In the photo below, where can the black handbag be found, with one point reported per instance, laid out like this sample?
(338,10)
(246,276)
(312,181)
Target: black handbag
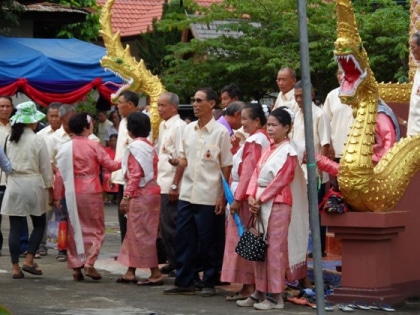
(252,244)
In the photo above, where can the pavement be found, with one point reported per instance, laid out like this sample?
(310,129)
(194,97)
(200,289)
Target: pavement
(55,292)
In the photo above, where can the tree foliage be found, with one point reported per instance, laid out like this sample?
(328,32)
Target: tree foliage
(87,30)
(10,11)
(270,40)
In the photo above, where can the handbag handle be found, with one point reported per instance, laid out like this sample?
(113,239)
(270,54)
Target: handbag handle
(253,221)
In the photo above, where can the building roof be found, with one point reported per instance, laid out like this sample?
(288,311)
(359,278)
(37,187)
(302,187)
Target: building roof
(132,17)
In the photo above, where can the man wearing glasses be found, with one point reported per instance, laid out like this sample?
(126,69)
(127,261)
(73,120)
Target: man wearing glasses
(204,153)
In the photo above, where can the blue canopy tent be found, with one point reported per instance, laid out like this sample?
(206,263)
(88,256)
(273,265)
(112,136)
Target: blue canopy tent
(53,70)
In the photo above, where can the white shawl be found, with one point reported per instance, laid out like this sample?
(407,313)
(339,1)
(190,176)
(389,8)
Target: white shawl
(65,165)
(143,153)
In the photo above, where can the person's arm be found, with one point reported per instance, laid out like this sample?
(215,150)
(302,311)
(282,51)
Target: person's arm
(5,164)
(385,136)
(135,172)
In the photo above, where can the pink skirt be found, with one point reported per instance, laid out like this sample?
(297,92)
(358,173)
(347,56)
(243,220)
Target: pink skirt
(270,275)
(236,269)
(138,249)
(91,217)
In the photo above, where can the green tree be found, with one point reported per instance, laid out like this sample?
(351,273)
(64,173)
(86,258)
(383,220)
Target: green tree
(87,30)
(10,11)
(269,40)
(153,44)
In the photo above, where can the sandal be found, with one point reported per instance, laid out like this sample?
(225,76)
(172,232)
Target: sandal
(236,297)
(124,280)
(32,269)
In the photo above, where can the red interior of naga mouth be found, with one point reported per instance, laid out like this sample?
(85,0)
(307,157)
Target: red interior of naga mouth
(353,74)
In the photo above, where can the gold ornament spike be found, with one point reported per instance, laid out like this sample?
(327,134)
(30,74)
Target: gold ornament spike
(136,76)
(365,187)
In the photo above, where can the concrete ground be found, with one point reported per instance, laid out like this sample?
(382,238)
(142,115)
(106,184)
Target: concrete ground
(55,292)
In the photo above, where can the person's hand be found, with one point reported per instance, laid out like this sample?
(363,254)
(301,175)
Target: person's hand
(173,161)
(254,205)
(56,204)
(220,205)
(110,184)
(124,205)
(234,140)
(234,207)
(173,195)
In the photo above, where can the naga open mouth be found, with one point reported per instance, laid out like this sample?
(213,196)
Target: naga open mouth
(121,87)
(353,74)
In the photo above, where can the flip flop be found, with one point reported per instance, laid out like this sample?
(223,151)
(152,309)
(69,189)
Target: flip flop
(345,308)
(374,306)
(361,305)
(236,297)
(19,275)
(124,280)
(147,282)
(32,269)
(328,307)
(386,307)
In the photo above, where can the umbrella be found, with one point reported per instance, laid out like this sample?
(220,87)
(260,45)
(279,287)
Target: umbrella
(230,199)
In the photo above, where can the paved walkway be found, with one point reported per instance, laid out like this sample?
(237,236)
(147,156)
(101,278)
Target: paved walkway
(56,293)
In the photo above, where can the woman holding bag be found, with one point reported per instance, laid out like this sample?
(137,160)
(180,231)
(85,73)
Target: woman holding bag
(236,269)
(276,190)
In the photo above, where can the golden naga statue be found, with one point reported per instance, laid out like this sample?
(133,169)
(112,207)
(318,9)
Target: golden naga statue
(365,187)
(135,74)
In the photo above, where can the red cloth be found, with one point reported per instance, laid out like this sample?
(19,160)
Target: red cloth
(44,98)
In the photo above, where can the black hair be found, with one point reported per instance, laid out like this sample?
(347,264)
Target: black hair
(234,107)
(416,35)
(78,122)
(232,90)
(255,111)
(211,94)
(282,115)
(16,132)
(138,124)
(113,135)
(130,96)
(112,113)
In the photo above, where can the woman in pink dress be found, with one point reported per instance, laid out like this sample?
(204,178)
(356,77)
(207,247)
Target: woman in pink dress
(272,191)
(78,162)
(236,269)
(141,204)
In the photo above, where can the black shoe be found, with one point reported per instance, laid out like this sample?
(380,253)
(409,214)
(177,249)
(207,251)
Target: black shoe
(180,290)
(218,282)
(166,269)
(198,285)
(172,274)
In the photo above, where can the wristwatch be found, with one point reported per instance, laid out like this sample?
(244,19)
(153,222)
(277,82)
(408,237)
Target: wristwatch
(174,187)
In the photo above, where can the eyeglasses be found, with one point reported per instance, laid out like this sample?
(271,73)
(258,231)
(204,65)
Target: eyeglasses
(196,100)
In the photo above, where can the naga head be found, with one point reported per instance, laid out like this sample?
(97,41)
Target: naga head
(352,57)
(119,60)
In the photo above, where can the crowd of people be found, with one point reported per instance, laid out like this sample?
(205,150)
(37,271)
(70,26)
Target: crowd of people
(172,188)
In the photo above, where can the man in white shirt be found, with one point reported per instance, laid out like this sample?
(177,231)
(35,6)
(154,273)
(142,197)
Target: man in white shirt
(341,118)
(127,104)
(54,123)
(321,135)
(205,153)
(169,177)
(286,80)
(103,124)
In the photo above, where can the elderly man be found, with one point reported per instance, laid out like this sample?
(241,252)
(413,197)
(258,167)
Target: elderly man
(127,104)
(286,79)
(205,153)
(169,177)
(54,123)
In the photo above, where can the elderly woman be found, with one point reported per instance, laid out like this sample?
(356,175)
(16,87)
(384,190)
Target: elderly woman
(141,204)
(28,185)
(78,163)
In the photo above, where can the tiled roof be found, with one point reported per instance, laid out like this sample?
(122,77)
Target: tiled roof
(132,17)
